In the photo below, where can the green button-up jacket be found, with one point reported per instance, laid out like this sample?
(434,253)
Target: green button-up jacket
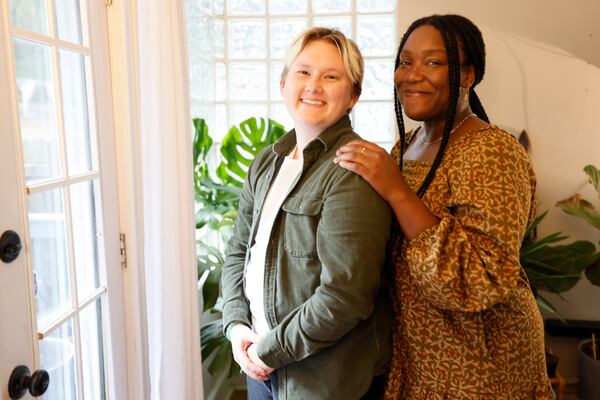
(323,297)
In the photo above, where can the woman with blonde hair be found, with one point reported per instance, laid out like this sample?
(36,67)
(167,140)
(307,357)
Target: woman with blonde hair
(303,306)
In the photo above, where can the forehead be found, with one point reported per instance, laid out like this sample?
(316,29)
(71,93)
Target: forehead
(321,52)
(425,38)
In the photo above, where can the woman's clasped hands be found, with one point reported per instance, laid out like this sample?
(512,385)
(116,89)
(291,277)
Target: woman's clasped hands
(244,344)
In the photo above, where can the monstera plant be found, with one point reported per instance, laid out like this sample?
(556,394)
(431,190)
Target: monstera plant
(217,193)
(557,268)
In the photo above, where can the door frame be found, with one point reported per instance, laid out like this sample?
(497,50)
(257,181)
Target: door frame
(122,28)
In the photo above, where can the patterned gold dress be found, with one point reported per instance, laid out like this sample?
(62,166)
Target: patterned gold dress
(466,323)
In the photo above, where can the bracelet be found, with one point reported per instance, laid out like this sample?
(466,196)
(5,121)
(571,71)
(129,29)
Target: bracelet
(230,327)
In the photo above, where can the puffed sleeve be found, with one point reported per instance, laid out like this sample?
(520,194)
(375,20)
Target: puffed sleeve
(470,260)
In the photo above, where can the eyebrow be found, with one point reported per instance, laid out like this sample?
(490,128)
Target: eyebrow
(430,51)
(332,69)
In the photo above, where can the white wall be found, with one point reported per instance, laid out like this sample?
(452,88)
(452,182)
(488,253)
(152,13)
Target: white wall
(555,96)
(570,25)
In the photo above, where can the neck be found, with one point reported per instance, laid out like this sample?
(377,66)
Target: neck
(305,135)
(433,130)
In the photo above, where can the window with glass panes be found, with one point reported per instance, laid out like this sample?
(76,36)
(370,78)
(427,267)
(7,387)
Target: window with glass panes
(250,37)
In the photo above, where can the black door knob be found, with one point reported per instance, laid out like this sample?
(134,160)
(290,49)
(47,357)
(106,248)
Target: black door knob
(21,381)
(10,246)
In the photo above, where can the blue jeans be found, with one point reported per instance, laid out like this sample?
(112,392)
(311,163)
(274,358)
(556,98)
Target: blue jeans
(262,390)
(267,390)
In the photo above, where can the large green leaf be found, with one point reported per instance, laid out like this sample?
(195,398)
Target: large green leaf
(202,141)
(210,260)
(559,268)
(594,174)
(217,202)
(214,342)
(593,272)
(581,208)
(242,143)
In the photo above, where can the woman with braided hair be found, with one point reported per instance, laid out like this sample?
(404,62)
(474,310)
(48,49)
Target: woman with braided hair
(463,192)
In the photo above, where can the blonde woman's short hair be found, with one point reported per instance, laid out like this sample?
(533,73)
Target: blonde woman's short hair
(351,56)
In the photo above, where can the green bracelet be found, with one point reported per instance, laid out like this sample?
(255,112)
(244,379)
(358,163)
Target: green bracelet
(228,331)
(229,327)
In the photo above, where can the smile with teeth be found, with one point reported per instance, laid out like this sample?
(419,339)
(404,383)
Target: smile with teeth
(312,102)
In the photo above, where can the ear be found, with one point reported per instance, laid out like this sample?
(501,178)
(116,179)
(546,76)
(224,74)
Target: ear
(354,100)
(467,76)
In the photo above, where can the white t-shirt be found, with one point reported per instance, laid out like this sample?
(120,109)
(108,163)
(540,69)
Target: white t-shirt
(255,270)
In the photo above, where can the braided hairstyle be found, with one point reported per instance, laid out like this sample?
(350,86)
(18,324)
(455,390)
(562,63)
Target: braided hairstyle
(455,30)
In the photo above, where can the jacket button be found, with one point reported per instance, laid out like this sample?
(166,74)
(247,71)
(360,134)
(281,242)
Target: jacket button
(299,208)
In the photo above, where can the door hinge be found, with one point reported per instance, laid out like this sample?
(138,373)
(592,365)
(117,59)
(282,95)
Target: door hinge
(123,250)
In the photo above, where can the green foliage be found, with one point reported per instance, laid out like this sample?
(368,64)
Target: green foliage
(582,208)
(557,268)
(217,196)
(242,144)
(585,210)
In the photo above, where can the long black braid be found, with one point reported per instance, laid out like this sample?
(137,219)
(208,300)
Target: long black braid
(454,29)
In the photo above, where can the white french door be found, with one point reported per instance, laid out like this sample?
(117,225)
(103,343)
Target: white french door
(61,297)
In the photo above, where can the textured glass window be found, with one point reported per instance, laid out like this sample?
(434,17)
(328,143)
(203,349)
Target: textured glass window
(282,32)
(332,6)
(376,35)
(244,59)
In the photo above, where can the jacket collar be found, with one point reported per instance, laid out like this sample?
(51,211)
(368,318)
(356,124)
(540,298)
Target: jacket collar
(327,138)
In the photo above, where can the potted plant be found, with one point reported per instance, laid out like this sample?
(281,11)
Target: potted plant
(217,192)
(589,368)
(589,363)
(554,267)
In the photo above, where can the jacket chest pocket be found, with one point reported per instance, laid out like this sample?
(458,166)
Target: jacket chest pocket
(302,215)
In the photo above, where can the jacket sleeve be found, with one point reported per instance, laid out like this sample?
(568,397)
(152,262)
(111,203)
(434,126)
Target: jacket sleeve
(352,234)
(235,304)
(470,260)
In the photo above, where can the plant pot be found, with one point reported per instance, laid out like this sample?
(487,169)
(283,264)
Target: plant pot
(589,371)
(551,364)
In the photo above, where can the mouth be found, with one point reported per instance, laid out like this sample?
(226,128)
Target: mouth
(414,92)
(312,102)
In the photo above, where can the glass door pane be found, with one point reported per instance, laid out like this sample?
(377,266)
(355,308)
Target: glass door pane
(37,110)
(57,356)
(30,15)
(75,112)
(49,256)
(85,238)
(68,20)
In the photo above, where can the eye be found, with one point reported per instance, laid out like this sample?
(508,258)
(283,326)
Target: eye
(403,63)
(302,72)
(434,62)
(331,77)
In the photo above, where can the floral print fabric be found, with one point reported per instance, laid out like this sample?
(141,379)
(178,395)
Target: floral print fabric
(466,323)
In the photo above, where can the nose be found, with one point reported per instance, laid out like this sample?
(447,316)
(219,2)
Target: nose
(409,73)
(313,85)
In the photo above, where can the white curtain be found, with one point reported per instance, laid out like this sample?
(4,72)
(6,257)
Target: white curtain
(169,228)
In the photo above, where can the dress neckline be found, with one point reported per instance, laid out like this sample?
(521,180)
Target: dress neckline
(451,144)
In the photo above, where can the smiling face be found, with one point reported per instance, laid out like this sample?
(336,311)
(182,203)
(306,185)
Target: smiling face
(317,90)
(421,78)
